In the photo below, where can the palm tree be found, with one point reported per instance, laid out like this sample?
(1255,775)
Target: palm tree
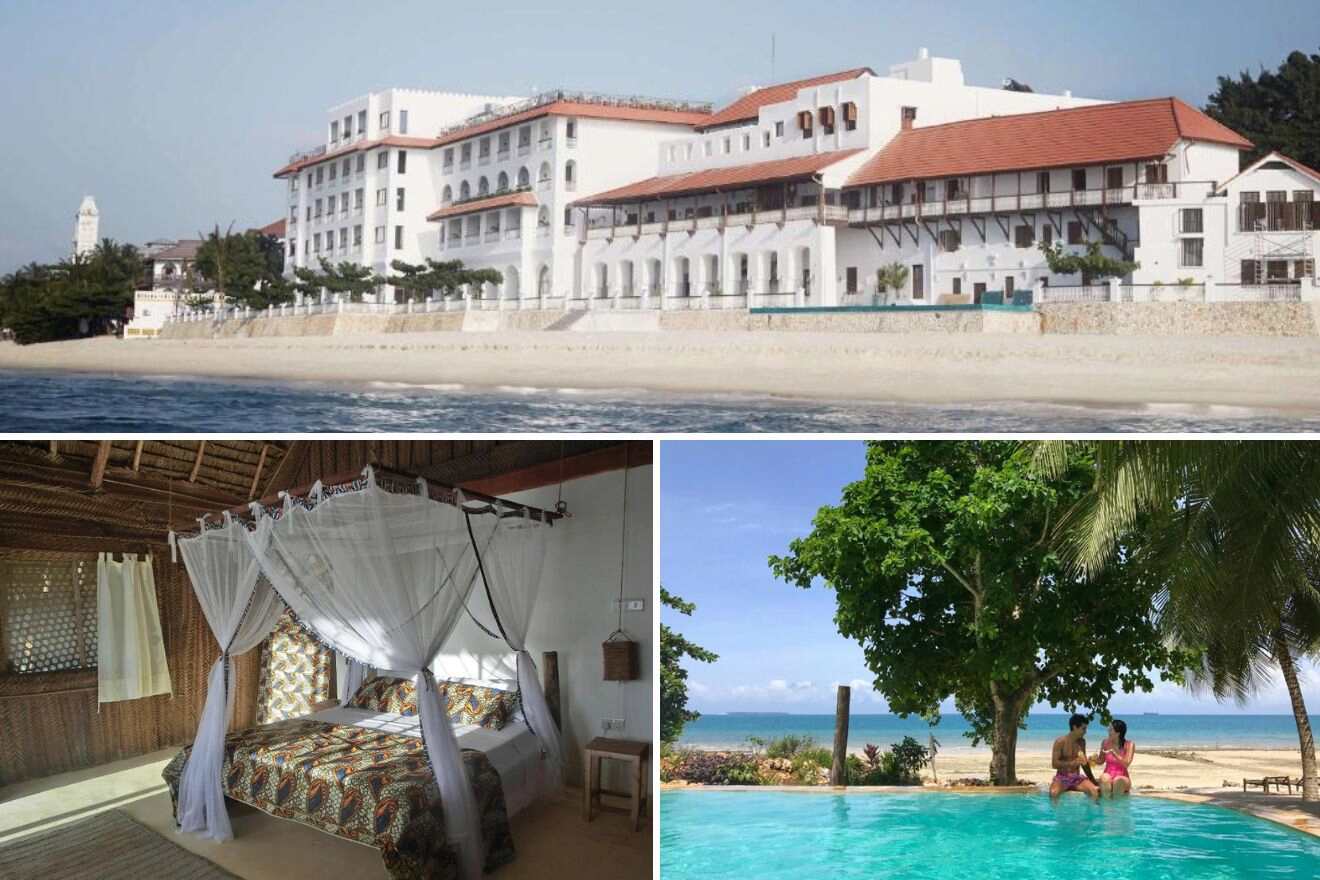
(1237,532)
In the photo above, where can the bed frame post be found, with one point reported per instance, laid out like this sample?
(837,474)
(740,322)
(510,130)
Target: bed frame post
(550,672)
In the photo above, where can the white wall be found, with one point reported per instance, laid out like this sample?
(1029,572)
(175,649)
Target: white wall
(576,612)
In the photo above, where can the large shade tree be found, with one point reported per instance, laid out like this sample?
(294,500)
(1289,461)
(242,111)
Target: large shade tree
(1235,526)
(943,571)
(1275,110)
(81,296)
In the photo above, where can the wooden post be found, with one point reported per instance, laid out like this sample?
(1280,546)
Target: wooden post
(197,462)
(99,463)
(137,456)
(550,674)
(839,769)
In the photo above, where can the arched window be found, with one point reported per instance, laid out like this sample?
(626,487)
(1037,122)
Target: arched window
(483,186)
(570,175)
(447,196)
(545,171)
(503,182)
(524,177)
(464,191)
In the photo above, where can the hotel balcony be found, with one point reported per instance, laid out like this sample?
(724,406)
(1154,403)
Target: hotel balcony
(1014,203)
(1278,217)
(834,215)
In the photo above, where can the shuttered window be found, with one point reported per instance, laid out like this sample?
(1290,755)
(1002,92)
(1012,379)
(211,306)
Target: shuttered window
(48,614)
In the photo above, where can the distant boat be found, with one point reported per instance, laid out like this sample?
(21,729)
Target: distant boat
(1150,713)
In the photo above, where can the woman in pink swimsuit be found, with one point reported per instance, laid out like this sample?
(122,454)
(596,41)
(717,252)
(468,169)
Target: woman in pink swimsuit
(1116,753)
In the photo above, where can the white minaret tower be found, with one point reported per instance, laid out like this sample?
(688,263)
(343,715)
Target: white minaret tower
(86,227)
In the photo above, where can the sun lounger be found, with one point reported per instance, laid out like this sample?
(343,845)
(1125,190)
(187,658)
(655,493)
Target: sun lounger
(1279,783)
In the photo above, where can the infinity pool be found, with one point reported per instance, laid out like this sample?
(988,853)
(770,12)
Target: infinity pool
(932,836)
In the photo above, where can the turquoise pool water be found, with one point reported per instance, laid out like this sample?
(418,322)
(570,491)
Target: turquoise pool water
(771,835)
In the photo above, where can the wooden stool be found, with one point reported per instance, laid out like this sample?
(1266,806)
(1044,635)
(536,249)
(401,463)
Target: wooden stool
(631,751)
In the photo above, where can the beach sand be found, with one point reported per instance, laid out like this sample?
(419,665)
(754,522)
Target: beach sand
(1202,373)
(1159,769)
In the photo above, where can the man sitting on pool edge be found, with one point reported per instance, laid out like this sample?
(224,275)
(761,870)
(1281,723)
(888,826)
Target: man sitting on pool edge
(1068,759)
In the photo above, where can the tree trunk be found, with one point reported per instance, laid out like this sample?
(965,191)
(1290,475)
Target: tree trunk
(1310,781)
(1003,751)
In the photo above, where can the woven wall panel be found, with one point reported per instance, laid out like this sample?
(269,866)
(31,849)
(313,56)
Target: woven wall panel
(295,672)
(48,614)
(49,721)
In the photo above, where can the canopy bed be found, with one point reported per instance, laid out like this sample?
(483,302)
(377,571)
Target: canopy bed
(380,568)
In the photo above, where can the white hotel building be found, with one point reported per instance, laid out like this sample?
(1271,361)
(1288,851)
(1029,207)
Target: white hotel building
(796,194)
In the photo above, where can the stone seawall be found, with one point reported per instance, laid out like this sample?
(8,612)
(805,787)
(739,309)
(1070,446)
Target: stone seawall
(1182,319)
(1106,319)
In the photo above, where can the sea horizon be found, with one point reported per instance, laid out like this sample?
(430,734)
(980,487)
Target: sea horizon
(1163,730)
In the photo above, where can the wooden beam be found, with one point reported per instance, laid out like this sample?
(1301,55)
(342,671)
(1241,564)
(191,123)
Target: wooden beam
(197,463)
(636,453)
(98,463)
(550,676)
(284,475)
(256,476)
(54,448)
(839,767)
(137,456)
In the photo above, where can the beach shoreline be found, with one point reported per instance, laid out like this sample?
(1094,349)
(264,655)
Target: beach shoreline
(1166,768)
(1197,374)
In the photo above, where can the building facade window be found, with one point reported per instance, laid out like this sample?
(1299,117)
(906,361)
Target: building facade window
(330,206)
(850,282)
(403,161)
(380,235)
(398,199)
(383,160)
(385,120)
(381,196)
(398,237)
(362,123)
(1079,179)
(950,240)
(334,131)
(334,171)
(1192,253)
(1024,236)
(357,236)
(1075,234)
(358,196)
(850,116)
(1191,221)
(449,158)
(570,175)
(403,122)
(361,163)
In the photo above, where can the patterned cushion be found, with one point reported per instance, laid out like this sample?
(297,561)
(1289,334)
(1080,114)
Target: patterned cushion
(483,706)
(395,695)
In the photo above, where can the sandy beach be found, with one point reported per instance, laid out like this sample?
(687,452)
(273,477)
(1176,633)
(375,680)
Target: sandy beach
(1200,374)
(1158,769)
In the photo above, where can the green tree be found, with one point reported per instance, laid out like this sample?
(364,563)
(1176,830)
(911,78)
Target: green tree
(674,712)
(943,572)
(1092,265)
(892,277)
(82,296)
(1235,526)
(1277,110)
(246,268)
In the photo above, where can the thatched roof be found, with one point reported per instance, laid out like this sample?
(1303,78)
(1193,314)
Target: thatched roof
(103,494)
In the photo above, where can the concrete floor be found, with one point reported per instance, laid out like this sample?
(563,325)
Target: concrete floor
(552,839)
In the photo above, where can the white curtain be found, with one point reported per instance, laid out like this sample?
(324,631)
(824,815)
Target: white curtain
(130,653)
(513,568)
(382,577)
(242,610)
(350,675)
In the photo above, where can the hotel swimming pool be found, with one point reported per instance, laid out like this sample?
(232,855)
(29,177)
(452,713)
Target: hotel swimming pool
(935,836)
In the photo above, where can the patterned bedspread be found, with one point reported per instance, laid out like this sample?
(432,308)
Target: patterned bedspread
(371,787)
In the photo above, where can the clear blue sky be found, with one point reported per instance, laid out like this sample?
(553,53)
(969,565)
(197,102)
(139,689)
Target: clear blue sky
(726,506)
(174,115)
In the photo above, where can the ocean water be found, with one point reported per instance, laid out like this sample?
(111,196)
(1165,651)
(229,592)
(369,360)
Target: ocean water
(939,836)
(1148,731)
(95,402)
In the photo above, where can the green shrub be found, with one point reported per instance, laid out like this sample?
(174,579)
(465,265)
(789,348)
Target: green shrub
(788,745)
(901,765)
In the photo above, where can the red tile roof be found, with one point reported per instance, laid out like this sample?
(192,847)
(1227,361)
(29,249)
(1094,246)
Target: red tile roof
(1122,132)
(276,229)
(472,206)
(583,109)
(747,108)
(737,176)
(387,141)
